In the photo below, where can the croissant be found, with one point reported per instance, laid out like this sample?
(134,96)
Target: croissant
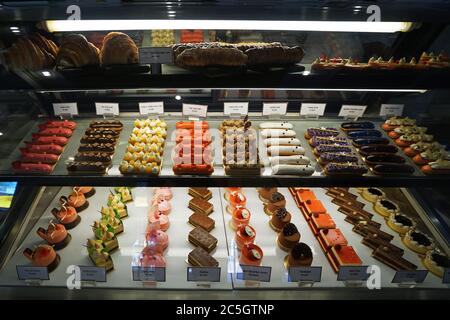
(76,51)
(119,48)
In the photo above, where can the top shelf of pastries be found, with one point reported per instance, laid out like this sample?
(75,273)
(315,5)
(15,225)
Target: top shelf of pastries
(36,62)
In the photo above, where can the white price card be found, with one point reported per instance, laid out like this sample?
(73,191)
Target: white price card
(95,274)
(391,110)
(353,273)
(274,108)
(446,278)
(32,273)
(63,108)
(195,110)
(416,276)
(352,111)
(156,274)
(155,55)
(200,274)
(254,273)
(107,108)
(312,109)
(235,108)
(306,274)
(146,108)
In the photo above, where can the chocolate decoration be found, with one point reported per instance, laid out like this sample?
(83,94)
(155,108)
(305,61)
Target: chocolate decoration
(441,260)
(375,191)
(403,220)
(289,229)
(388,205)
(281,213)
(420,238)
(301,251)
(276,196)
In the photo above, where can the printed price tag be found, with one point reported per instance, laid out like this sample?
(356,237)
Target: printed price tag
(65,108)
(146,108)
(353,273)
(107,108)
(391,110)
(446,278)
(352,111)
(312,109)
(157,274)
(155,55)
(254,273)
(417,276)
(235,108)
(200,274)
(32,273)
(195,110)
(274,108)
(307,274)
(95,274)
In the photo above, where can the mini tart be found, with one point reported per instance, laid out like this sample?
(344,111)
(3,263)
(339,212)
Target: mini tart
(86,191)
(230,190)
(56,235)
(244,235)
(98,255)
(43,256)
(236,199)
(288,237)
(418,241)
(251,255)
(372,194)
(279,219)
(299,256)
(385,207)
(440,166)
(266,193)
(240,217)
(400,223)
(436,262)
(428,156)
(277,200)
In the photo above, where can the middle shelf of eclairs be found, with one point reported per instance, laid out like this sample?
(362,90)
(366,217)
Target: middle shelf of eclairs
(397,149)
(273,231)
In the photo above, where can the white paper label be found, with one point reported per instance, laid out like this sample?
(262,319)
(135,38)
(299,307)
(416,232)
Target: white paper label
(352,111)
(199,274)
(353,273)
(32,273)
(417,276)
(107,108)
(95,274)
(146,108)
(312,109)
(255,273)
(195,110)
(65,108)
(391,110)
(155,55)
(274,108)
(446,278)
(307,274)
(157,274)
(235,108)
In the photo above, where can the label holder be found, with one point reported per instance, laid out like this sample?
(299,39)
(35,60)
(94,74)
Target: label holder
(66,116)
(108,116)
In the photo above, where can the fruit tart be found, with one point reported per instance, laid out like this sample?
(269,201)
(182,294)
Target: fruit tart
(99,255)
(105,233)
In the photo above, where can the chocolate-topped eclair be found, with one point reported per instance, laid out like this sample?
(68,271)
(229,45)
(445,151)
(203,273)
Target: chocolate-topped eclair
(331,148)
(101,130)
(97,147)
(93,156)
(321,132)
(364,134)
(99,138)
(317,140)
(357,125)
(106,123)
(344,169)
(327,157)
(368,141)
(83,166)
(374,149)
(375,159)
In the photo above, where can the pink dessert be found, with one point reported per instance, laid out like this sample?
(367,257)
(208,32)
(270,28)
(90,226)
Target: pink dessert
(156,216)
(162,205)
(157,238)
(164,192)
(152,258)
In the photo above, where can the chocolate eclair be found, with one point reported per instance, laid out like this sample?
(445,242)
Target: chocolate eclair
(100,130)
(84,166)
(99,138)
(93,157)
(97,147)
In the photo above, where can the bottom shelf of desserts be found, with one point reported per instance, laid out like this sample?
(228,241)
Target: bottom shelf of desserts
(138,243)
(236,229)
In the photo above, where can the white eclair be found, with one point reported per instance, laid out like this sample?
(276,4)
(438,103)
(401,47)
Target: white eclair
(276,125)
(305,170)
(275,133)
(285,150)
(297,159)
(282,142)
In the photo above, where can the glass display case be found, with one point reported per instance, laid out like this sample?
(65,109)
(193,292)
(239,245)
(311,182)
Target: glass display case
(262,150)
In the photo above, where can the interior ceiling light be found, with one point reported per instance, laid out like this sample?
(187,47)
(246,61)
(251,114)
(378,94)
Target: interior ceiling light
(324,26)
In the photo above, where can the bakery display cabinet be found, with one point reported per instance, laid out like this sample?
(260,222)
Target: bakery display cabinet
(256,150)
